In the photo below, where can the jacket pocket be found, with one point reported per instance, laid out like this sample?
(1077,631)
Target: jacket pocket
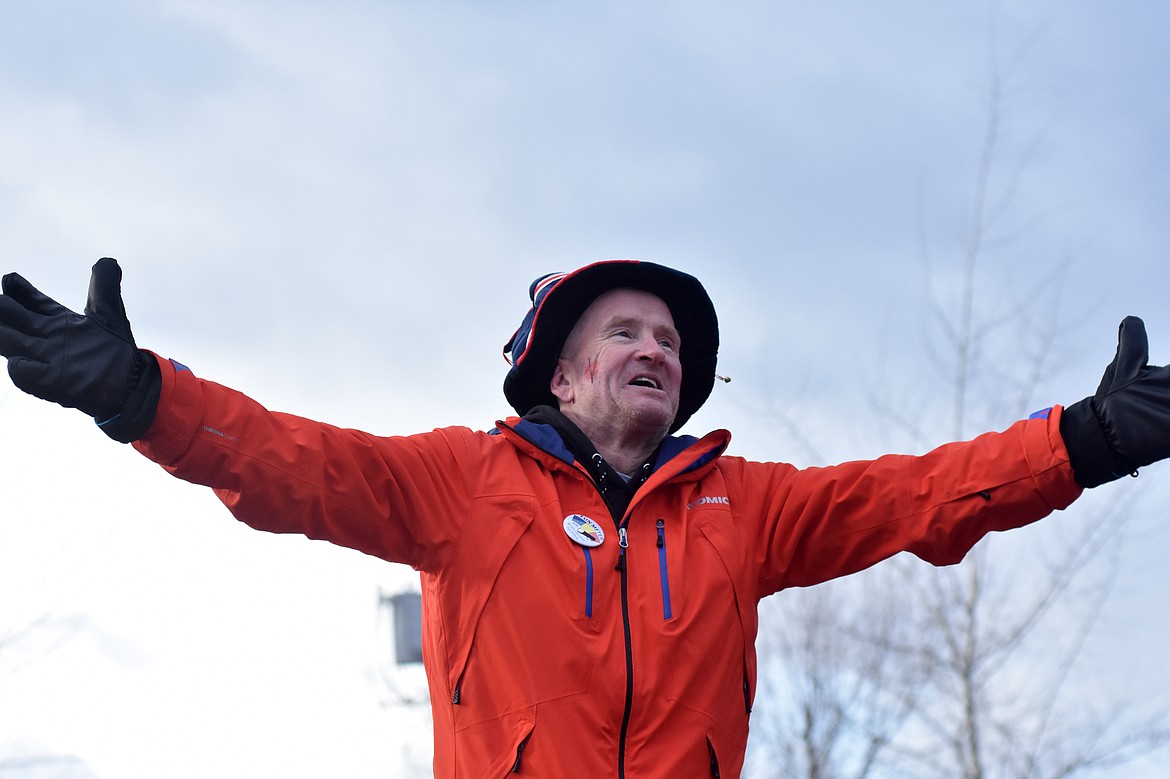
(494,749)
(588,581)
(713,757)
(526,734)
(663,572)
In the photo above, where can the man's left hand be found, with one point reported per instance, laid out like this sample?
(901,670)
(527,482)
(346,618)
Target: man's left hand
(1125,425)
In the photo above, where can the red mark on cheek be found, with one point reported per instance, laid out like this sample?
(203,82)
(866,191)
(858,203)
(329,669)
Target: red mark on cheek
(591,370)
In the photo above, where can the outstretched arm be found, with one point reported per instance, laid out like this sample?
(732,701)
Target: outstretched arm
(395,498)
(85,361)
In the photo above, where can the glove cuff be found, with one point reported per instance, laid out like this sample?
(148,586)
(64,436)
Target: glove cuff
(140,405)
(1094,461)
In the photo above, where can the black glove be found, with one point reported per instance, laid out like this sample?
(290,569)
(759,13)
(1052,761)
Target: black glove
(1126,424)
(85,362)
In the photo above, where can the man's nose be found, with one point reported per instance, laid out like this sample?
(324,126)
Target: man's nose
(650,349)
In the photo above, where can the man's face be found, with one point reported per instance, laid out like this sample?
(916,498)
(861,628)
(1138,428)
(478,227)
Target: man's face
(620,365)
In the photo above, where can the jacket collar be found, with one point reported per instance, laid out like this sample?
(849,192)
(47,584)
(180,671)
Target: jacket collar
(553,434)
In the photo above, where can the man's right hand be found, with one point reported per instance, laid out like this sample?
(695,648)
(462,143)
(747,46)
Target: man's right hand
(85,361)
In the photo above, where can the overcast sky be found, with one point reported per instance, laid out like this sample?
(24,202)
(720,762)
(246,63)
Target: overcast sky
(337,208)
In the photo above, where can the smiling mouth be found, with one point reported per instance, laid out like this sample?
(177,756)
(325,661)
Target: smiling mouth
(643,381)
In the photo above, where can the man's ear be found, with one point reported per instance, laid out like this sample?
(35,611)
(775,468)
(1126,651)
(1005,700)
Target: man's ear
(560,386)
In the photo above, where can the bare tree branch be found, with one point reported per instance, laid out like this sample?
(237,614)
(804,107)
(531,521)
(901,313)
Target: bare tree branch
(970,671)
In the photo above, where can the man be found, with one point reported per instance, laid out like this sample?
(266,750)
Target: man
(590,578)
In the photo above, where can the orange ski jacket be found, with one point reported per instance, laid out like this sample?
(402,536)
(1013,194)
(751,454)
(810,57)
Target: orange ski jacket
(558,643)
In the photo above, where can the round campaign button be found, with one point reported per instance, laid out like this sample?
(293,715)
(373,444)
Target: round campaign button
(583,530)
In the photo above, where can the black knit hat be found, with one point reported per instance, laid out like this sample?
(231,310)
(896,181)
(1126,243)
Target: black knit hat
(559,299)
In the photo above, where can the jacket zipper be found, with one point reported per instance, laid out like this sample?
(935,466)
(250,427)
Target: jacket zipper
(623,544)
(519,754)
(588,582)
(667,612)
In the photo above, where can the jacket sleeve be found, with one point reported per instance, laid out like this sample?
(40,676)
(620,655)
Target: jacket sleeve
(820,523)
(397,498)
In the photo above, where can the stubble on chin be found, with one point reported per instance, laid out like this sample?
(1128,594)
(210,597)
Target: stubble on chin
(653,423)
